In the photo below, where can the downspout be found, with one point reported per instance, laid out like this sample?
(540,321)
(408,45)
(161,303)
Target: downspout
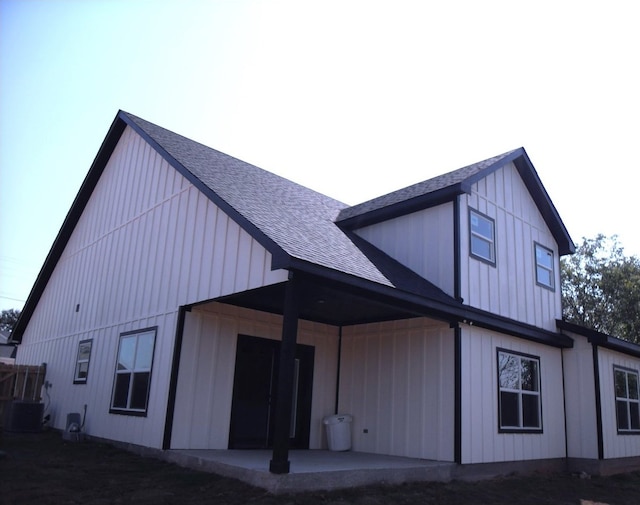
(457,346)
(457,414)
(173,379)
(596,382)
(335,410)
(457,266)
(564,406)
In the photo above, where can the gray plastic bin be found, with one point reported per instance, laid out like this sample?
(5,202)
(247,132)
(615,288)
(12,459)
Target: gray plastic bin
(338,432)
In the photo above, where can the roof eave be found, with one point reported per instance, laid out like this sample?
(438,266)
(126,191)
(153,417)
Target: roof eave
(453,312)
(402,208)
(602,339)
(543,201)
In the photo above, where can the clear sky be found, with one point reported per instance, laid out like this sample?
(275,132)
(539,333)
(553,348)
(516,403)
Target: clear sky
(351,98)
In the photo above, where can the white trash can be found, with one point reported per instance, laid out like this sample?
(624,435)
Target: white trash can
(338,432)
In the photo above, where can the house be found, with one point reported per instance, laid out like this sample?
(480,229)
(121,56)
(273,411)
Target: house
(7,350)
(187,291)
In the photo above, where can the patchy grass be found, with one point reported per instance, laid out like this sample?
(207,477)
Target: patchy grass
(43,469)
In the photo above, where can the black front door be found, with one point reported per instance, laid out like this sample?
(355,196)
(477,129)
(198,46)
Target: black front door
(254,389)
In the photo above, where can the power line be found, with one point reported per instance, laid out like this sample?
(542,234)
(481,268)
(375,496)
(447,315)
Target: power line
(12,299)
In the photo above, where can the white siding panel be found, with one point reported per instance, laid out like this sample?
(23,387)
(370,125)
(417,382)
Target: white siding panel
(580,400)
(205,382)
(615,445)
(422,241)
(397,382)
(135,256)
(509,288)
(65,397)
(481,442)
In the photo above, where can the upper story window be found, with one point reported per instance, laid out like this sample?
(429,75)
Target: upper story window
(482,243)
(627,400)
(519,402)
(545,273)
(133,372)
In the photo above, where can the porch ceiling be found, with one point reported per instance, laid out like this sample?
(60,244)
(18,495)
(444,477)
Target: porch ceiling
(321,303)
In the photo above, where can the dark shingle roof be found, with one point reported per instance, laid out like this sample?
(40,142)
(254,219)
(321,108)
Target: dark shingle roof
(445,187)
(304,229)
(289,216)
(442,185)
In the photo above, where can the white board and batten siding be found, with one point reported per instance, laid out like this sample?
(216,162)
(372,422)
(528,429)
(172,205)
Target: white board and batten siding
(207,366)
(480,439)
(422,241)
(397,380)
(580,400)
(614,444)
(147,242)
(509,288)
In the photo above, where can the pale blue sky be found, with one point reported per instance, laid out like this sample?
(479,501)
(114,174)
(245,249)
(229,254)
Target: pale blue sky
(351,98)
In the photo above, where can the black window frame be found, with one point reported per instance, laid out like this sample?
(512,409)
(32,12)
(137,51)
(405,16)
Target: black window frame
(119,373)
(77,379)
(520,428)
(492,242)
(552,270)
(627,400)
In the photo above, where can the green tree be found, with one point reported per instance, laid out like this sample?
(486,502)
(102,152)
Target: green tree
(8,319)
(601,288)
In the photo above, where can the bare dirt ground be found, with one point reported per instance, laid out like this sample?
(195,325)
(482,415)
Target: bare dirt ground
(43,469)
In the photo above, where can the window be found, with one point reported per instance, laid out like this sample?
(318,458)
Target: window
(627,400)
(482,237)
(519,392)
(544,266)
(82,362)
(133,372)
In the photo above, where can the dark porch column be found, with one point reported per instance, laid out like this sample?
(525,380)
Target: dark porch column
(282,426)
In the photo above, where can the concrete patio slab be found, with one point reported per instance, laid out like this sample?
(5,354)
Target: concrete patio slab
(314,469)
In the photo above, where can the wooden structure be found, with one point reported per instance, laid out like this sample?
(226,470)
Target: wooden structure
(20,382)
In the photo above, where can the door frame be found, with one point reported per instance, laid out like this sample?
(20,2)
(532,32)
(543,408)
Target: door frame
(305,357)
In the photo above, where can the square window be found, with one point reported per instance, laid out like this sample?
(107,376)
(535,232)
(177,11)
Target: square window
(545,271)
(81,372)
(482,237)
(519,402)
(625,383)
(133,372)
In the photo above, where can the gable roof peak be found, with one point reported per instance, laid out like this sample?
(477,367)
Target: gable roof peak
(444,188)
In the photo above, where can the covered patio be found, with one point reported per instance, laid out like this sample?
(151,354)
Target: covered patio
(309,298)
